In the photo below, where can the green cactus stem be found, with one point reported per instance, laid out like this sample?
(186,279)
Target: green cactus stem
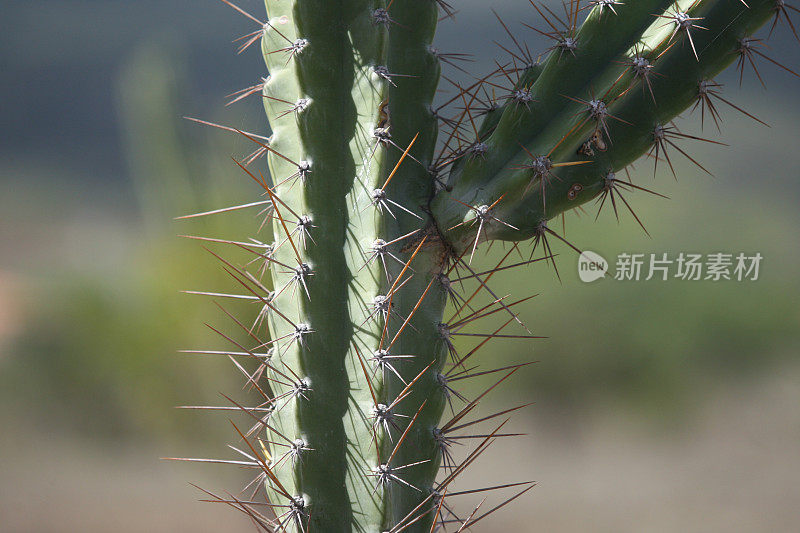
(376,215)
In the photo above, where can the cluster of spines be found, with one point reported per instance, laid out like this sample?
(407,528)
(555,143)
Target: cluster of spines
(355,377)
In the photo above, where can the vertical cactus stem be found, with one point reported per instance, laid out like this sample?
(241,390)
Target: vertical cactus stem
(422,302)
(368,31)
(281,85)
(325,71)
(415,71)
(410,97)
(319,55)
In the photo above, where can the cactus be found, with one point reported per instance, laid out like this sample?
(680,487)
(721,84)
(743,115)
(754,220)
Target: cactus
(375,215)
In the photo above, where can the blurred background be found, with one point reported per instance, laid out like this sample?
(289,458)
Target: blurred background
(660,406)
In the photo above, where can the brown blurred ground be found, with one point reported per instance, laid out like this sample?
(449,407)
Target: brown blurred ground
(734,470)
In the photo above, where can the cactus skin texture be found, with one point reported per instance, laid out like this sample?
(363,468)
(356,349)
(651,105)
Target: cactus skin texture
(371,221)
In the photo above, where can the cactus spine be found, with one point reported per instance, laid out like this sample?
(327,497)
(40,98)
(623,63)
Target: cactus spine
(370,222)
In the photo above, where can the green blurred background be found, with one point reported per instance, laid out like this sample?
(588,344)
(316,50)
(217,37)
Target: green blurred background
(660,406)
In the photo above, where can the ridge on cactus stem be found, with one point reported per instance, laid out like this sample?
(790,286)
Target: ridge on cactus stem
(377,196)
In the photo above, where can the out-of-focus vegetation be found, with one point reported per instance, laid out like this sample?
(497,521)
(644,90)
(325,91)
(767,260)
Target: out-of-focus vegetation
(100,342)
